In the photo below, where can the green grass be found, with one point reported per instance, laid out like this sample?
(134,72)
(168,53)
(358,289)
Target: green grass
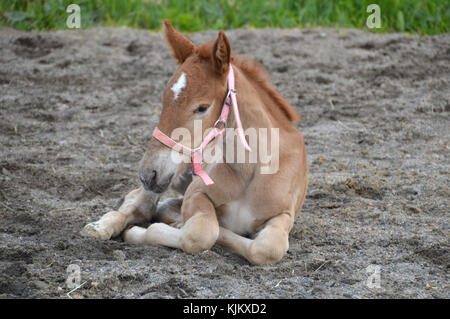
(415,16)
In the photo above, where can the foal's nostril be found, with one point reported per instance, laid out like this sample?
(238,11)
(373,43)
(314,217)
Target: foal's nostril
(148,181)
(152,178)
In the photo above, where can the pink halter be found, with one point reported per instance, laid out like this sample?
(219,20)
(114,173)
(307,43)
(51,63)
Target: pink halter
(196,154)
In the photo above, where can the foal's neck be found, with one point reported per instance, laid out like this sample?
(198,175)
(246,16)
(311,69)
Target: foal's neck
(254,114)
(251,106)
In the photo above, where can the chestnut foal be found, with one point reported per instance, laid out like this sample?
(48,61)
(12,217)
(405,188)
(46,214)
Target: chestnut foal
(232,204)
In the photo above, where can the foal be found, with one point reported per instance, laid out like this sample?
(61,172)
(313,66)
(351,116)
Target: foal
(232,204)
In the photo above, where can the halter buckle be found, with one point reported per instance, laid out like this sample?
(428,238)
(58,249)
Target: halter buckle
(228,100)
(220,121)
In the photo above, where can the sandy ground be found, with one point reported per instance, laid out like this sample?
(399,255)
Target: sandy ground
(77,109)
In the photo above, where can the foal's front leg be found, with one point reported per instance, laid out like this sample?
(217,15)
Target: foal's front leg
(268,247)
(198,233)
(138,206)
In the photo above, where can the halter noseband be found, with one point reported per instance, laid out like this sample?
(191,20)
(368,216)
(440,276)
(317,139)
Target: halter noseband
(196,154)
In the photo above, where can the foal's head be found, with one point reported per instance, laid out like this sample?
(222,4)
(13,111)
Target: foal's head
(195,92)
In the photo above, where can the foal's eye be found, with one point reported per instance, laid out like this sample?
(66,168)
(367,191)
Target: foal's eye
(201,108)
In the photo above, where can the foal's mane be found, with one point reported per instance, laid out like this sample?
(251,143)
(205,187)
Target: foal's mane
(258,74)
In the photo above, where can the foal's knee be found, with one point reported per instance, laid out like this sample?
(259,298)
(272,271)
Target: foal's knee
(261,253)
(196,244)
(198,236)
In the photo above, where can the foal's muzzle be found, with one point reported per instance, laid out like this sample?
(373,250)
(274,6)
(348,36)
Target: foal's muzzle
(156,170)
(151,181)
(148,181)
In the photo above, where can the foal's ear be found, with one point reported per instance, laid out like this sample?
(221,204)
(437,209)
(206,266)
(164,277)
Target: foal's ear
(221,53)
(181,46)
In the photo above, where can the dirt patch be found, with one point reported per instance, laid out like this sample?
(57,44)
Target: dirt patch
(78,107)
(35,46)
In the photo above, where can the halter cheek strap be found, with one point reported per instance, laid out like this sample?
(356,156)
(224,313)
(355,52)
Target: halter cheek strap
(196,154)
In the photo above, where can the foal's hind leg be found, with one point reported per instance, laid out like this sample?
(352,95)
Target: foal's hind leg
(138,206)
(268,247)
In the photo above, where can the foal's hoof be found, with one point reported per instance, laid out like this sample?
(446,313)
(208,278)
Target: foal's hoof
(94,230)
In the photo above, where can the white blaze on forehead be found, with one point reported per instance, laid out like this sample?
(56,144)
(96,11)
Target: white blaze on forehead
(179,85)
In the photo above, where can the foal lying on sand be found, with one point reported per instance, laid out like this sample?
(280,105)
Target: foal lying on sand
(232,204)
